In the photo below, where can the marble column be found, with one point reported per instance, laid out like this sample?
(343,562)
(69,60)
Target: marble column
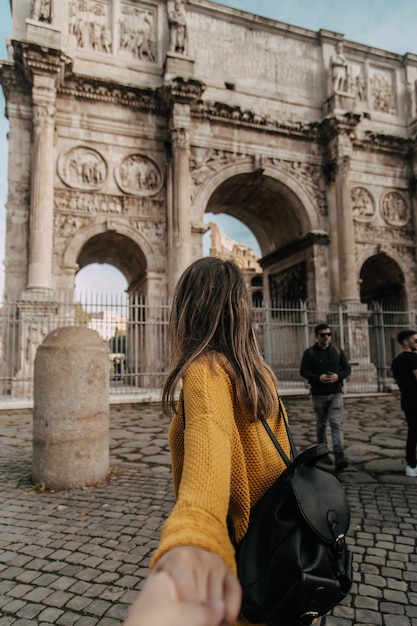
(42,192)
(349,287)
(179,224)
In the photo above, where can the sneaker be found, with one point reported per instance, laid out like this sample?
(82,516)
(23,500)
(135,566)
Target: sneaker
(326,460)
(341,463)
(410,471)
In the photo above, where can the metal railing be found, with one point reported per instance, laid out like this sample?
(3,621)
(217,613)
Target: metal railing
(135,331)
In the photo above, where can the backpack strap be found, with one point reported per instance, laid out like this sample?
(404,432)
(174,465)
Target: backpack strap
(308,456)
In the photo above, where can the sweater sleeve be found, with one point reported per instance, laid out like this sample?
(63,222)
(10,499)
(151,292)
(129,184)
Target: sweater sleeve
(199,515)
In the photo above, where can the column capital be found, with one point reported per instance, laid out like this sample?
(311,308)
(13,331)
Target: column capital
(180,138)
(44,115)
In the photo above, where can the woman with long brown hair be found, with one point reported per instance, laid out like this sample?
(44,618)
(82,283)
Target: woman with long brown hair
(223,460)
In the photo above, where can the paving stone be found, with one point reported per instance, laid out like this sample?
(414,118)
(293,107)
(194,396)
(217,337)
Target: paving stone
(84,553)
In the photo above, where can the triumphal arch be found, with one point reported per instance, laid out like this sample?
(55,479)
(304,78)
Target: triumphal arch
(129,119)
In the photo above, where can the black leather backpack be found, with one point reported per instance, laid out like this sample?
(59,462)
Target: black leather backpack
(293,563)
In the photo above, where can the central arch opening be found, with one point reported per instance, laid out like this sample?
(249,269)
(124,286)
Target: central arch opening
(275,216)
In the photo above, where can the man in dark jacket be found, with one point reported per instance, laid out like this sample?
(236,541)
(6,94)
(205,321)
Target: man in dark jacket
(404,369)
(325,367)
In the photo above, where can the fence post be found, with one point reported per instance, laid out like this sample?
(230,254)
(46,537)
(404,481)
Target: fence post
(304,322)
(380,345)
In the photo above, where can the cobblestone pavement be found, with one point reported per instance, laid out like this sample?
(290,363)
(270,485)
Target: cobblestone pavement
(79,556)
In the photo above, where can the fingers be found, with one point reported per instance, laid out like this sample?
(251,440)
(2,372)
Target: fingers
(158,603)
(197,614)
(202,577)
(233,597)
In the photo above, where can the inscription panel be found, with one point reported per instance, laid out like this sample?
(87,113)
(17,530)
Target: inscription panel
(267,61)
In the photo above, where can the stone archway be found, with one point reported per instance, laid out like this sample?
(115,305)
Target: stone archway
(382,280)
(263,204)
(117,250)
(283,219)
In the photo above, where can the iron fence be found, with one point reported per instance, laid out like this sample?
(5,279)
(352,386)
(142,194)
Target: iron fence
(135,332)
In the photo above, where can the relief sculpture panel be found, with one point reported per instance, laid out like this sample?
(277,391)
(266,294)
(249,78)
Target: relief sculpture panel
(82,167)
(363,204)
(137,32)
(139,175)
(89,25)
(394,209)
(382,90)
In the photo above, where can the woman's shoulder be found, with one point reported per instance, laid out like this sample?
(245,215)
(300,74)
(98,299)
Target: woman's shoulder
(209,369)
(211,364)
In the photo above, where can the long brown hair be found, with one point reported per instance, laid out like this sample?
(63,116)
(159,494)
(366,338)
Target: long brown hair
(211,315)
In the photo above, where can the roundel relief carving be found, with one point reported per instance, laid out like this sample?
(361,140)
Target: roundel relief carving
(82,168)
(394,209)
(139,175)
(363,205)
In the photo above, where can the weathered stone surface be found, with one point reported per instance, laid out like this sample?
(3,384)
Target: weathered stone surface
(71,410)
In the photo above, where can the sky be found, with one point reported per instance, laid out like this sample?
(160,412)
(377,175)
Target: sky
(386,24)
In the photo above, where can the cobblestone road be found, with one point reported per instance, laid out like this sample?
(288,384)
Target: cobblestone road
(79,556)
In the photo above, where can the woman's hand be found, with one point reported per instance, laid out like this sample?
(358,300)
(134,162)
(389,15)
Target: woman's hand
(158,605)
(202,577)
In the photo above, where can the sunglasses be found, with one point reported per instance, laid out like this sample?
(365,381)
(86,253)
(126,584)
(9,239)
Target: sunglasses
(325,334)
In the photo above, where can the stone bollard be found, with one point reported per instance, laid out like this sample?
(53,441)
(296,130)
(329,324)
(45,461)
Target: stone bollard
(71,409)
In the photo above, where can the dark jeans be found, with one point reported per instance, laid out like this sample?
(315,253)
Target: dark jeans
(409,406)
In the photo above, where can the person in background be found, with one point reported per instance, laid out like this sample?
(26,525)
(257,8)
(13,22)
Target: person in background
(158,605)
(223,460)
(326,367)
(404,370)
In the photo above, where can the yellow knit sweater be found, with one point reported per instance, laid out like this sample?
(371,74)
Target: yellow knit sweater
(222,463)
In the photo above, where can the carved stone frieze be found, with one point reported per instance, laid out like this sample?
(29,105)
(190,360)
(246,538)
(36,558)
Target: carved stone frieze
(221,112)
(147,207)
(139,175)
(363,204)
(395,209)
(92,89)
(83,203)
(385,143)
(137,32)
(67,225)
(152,230)
(89,25)
(204,162)
(310,179)
(82,167)
(382,90)
(155,233)
(366,232)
